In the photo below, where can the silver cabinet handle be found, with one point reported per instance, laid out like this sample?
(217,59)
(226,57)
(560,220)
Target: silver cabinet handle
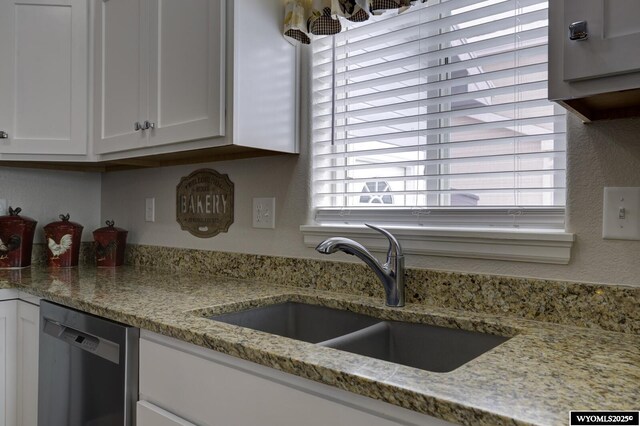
(4,135)
(148,125)
(578,31)
(137,126)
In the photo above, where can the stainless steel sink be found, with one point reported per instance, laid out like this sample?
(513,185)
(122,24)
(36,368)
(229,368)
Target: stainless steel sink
(427,347)
(423,346)
(299,321)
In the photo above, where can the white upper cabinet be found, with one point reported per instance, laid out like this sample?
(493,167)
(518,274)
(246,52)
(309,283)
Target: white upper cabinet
(186,70)
(109,83)
(217,77)
(594,60)
(613,36)
(264,80)
(159,72)
(44,77)
(120,77)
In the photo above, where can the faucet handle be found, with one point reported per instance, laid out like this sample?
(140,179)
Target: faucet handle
(395,250)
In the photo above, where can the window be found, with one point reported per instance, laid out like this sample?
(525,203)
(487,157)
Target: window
(438,116)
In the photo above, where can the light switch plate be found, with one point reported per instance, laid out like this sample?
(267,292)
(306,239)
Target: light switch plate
(150,209)
(621,213)
(264,213)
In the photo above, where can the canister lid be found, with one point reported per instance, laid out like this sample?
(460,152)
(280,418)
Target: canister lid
(14,217)
(110,229)
(64,224)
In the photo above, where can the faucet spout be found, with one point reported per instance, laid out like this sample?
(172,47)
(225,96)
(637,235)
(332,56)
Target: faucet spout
(390,274)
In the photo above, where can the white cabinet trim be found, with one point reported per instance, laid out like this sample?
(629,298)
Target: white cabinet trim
(513,245)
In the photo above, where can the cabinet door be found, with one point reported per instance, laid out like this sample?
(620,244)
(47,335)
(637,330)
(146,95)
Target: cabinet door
(28,343)
(8,363)
(614,36)
(121,72)
(148,414)
(43,76)
(212,389)
(186,98)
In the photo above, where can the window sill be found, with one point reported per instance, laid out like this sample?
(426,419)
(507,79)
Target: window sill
(536,246)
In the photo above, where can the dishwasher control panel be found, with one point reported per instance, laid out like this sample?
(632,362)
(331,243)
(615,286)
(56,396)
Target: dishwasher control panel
(98,346)
(76,338)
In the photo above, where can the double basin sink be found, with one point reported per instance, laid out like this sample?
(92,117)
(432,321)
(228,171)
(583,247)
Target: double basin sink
(422,346)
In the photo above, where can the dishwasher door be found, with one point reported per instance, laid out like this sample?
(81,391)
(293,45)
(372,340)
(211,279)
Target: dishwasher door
(88,369)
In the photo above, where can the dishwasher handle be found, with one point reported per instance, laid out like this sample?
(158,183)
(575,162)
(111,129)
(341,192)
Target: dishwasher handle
(98,346)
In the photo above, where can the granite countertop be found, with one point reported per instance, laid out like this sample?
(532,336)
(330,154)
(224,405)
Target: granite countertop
(536,377)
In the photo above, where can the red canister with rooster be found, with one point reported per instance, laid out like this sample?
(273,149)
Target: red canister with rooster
(63,242)
(16,239)
(110,243)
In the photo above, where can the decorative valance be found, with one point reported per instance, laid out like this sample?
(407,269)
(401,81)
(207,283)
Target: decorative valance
(304,18)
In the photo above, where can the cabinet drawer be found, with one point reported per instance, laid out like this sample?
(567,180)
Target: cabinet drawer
(150,415)
(212,389)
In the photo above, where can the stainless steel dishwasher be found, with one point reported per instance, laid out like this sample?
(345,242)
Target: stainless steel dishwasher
(88,369)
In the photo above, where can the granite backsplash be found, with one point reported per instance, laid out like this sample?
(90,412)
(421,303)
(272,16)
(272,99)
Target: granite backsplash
(612,308)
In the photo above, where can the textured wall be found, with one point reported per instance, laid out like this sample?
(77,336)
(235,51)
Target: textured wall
(599,154)
(43,195)
(280,177)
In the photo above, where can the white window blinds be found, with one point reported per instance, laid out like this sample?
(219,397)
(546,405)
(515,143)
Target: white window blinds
(439,116)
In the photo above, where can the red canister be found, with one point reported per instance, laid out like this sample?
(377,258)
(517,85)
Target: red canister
(63,242)
(16,239)
(110,243)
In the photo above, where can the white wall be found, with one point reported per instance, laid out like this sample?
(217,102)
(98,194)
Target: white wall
(44,194)
(282,177)
(599,154)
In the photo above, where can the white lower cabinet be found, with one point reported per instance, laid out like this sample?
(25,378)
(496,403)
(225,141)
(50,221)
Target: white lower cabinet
(184,384)
(148,414)
(28,327)
(18,363)
(8,354)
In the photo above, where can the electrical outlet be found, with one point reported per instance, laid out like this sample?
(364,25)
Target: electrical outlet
(150,210)
(621,214)
(3,207)
(264,213)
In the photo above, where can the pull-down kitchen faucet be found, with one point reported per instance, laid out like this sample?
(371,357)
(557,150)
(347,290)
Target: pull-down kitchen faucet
(391,274)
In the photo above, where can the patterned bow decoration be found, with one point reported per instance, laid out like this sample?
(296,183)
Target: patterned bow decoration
(305,18)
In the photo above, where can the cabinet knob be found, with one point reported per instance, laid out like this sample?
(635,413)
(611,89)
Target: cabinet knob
(578,31)
(137,126)
(148,125)
(4,135)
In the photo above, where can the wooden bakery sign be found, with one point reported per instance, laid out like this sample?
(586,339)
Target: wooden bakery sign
(204,203)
